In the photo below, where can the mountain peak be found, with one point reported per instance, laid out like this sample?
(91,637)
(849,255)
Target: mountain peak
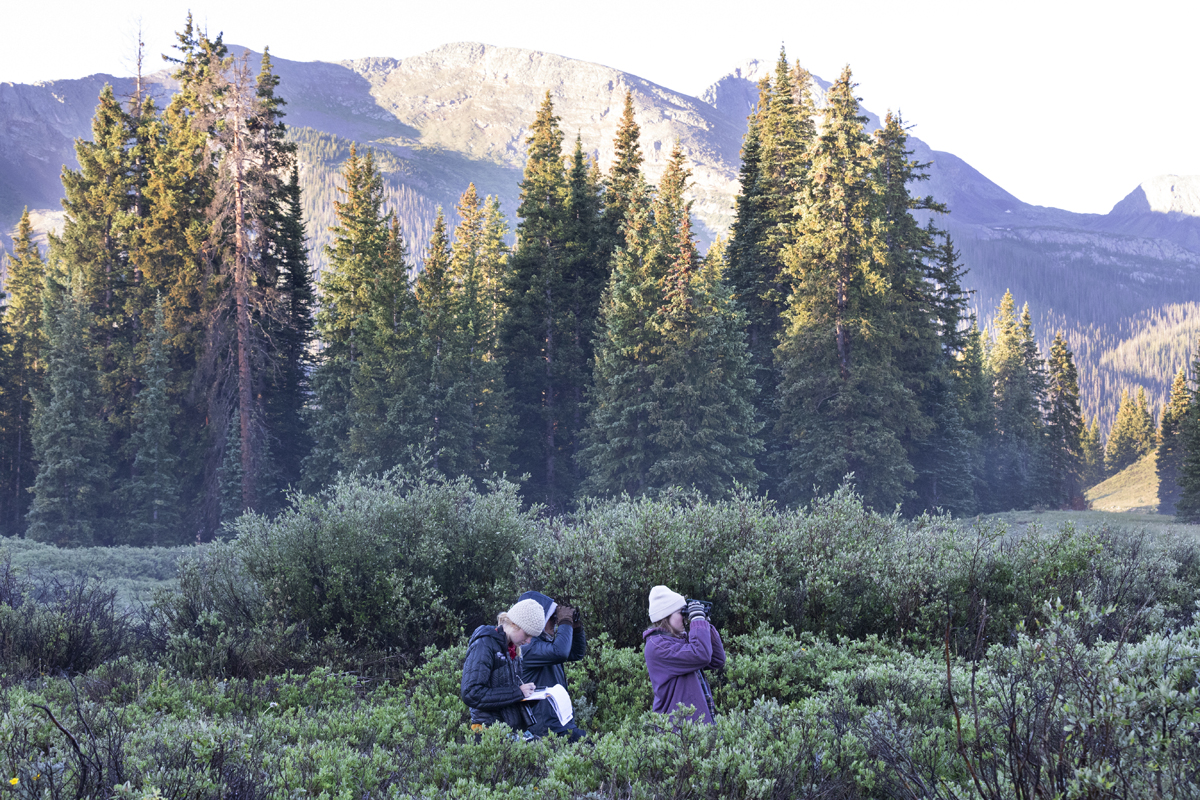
(1163,194)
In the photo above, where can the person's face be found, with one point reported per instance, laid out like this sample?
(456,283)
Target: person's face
(519,637)
(550,627)
(676,621)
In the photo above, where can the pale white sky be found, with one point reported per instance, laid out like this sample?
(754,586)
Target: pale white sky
(1063,103)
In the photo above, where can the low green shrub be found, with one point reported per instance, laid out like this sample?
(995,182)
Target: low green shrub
(50,624)
(370,572)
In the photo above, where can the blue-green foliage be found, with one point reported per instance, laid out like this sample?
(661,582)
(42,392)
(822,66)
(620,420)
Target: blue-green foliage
(373,565)
(868,656)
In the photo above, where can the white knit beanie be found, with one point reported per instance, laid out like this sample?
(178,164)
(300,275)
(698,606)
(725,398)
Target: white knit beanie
(664,603)
(529,616)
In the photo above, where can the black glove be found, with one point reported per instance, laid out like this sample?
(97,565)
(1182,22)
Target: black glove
(695,610)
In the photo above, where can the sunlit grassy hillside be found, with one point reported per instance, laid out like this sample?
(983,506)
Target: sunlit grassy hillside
(1134,489)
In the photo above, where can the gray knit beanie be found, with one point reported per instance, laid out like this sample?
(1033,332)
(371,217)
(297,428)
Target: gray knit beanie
(529,616)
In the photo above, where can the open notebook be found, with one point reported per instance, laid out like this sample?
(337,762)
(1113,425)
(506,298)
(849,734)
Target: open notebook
(560,701)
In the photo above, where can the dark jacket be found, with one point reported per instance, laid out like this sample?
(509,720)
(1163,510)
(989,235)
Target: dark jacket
(675,666)
(542,659)
(491,681)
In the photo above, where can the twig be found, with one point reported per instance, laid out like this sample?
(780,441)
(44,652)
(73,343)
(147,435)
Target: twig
(74,744)
(962,748)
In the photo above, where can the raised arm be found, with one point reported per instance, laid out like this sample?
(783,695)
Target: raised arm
(718,649)
(540,653)
(579,645)
(679,657)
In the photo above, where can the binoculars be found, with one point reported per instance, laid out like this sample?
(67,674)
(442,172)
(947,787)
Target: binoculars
(707,604)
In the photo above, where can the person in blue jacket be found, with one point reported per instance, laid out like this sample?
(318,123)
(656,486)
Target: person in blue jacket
(562,640)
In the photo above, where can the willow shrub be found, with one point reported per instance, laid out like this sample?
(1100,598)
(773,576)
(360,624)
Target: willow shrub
(839,569)
(51,624)
(381,565)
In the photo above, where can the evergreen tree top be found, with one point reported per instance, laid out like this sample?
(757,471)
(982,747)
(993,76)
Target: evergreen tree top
(627,160)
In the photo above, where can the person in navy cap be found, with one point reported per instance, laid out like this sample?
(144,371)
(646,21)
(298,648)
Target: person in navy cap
(561,640)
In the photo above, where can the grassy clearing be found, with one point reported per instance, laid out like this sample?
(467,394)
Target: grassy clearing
(1134,489)
(134,572)
(1018,521)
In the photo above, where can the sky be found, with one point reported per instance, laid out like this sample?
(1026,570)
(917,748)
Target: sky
(1061,103)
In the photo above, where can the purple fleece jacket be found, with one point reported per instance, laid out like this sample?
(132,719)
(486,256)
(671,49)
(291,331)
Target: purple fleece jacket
(674,664)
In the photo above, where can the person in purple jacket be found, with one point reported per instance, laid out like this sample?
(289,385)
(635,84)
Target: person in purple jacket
(677,655)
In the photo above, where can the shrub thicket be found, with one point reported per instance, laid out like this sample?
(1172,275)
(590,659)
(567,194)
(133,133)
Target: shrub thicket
(839,569)
(50,624)
(869,656)
(378,567)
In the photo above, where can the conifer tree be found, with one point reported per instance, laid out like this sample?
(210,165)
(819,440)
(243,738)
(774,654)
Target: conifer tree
(348,288)
(70,492)
(245,143)
(385,376)
(229,475)
(494,255)
(477,257)
(624,176)
(617,454)
(1064,426)
(1014,460)
(1187,507)
(1132,434)
(672,403)
(151,497)
(843,406)
(26,334)
(776,158)
(9,404)
(292,333)
(546,338)
(1092,449)
(285,264)
(443,404)
(95,244)
(1170,443)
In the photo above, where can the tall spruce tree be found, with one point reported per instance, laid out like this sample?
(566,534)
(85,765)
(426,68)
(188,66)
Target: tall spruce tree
(624,176)
(1132,434)
(443,405)
(349,294)
(477,259)
(1170,443)
(385,375)
(843,406)
(292,333)
(285,264)
(1187,507)
(27,342)
(1064,426)
(776,158)
(672,403)
(70,493)
(98,226)
(151,496)
(9,405)
(546,333)
(1092,449)
(241,116)
(1014,460)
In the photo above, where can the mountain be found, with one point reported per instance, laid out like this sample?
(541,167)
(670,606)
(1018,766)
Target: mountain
(460,113)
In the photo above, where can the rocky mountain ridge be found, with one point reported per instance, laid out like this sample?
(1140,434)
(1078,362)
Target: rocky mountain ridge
(460,113)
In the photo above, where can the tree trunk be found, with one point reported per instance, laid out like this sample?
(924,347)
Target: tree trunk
(241,290)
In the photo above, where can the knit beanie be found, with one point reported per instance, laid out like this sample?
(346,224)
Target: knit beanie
(664,603)
(529,616)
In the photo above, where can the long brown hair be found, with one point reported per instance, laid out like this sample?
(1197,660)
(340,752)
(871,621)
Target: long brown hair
(663,626)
